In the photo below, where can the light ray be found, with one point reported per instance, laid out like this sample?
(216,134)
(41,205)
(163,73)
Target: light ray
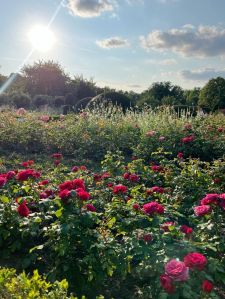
(12,78)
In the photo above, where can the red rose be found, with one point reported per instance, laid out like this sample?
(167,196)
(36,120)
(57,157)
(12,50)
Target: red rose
(202,210)
(23,210)
(166,283)
(147,238)
(149,191)
(84,168)
(97,177)
(75,169)
(220,130)
(180,155)
(78,183)
(43,183)
(157,168)
(65,194)
(90,207)
(43,195)
(57,156)
(10,174)
(153,208)
(126,175)
(157,189)
(216,180)
(134,178)
(66,185)
(105,175)
(136,206)
(49,192)
(57,162)
(186,229)
(177,270)
(24,175)
(187,139)
(2,181)
(207,286)
(210,199)
(119,189)
(83,195)
(195,260)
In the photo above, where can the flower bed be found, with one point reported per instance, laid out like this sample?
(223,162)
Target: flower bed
(134,229)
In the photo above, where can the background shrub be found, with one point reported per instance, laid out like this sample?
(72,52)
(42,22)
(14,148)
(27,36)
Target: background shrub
(21,100)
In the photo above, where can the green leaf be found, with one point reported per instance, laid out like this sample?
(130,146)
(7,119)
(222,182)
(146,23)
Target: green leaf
(111,222)
(5,199)
(58,213)
(40,247)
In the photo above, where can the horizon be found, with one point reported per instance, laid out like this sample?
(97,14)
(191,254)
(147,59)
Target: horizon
(105,40)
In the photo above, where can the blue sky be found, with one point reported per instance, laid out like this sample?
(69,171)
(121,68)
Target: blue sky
(125,44)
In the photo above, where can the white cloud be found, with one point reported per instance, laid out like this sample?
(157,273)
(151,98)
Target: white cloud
(203,41)
(162,62)
(113,42)
(90,8)
(202,74)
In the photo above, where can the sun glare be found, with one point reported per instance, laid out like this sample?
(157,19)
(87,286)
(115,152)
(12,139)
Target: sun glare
(41,38)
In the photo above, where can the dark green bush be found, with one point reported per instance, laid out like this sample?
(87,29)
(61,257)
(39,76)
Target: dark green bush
(21,100)
(40,100)
(82,104)
(4,99)
(113,98)
(59,101)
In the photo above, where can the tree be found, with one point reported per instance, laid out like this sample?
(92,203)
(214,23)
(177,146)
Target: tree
(45,78)
(162,90)
(192,96)
(212,95)
(2,79)
(80,88)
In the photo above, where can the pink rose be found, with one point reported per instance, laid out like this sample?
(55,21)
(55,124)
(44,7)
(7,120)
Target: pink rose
(202,210)
(177,270)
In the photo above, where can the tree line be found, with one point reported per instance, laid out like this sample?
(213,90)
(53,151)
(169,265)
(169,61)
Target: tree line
(46,83)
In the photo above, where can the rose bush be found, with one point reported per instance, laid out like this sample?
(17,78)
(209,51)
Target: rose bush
(144,228)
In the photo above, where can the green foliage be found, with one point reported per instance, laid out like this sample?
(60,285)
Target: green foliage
(162,93)
(59,101)
(192,96)
(21,100)
(82,88)
(30,287)
(111,98)
(4,100)
(45,77)
(40,100)
(110,130)
(212,94)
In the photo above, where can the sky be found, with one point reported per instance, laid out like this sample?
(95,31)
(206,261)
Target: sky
(124,44)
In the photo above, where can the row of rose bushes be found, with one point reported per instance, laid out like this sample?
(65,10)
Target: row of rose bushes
(132,230)
(90,135)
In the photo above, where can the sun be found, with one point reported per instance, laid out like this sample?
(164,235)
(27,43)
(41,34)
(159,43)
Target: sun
(41,38)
